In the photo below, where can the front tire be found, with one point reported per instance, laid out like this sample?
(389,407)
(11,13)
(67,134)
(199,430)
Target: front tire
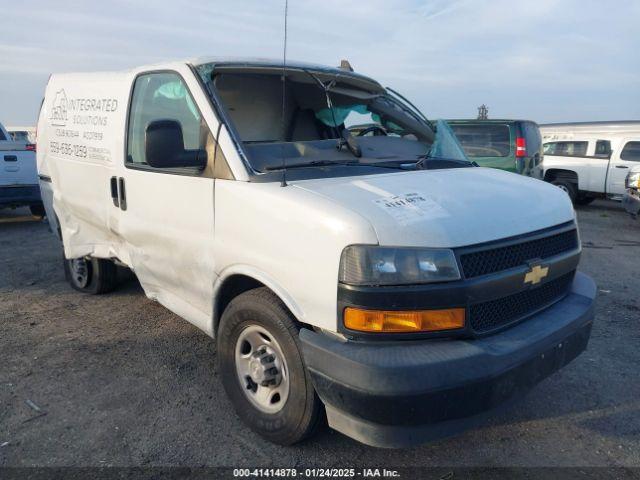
(91,275)
(262,368)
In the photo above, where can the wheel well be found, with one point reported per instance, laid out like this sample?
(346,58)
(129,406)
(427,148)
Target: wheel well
(230,289)
(557,174)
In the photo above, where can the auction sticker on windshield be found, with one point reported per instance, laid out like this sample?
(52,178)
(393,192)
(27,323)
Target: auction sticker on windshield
(408,208)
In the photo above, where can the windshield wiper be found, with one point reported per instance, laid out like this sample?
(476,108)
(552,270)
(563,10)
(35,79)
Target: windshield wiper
(423,159)
(315,163)
(393,164)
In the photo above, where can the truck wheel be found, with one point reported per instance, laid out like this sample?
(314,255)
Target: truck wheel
(91,275)
(37,210)
(262,368)
(584,200)
(567,186)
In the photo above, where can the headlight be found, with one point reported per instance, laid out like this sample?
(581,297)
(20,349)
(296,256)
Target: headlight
(373,265)
(633,180)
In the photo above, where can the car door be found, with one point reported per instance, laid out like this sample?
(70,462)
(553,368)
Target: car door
(166,217)
(622,161)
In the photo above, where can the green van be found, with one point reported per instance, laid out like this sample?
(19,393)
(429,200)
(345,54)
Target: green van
(512,145)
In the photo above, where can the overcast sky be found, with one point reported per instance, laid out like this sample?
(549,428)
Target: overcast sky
(546,60)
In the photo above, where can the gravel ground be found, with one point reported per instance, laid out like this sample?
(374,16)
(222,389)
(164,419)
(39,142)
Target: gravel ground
(120,380)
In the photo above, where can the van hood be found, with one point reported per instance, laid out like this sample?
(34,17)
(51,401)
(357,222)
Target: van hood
(447,208)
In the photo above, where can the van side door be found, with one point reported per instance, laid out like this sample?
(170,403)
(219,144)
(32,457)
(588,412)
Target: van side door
(167,213)
(622,160)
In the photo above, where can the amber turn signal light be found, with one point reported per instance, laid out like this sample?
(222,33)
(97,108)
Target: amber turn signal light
(403,321)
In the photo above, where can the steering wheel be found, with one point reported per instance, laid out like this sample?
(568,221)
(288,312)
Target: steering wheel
(373,128)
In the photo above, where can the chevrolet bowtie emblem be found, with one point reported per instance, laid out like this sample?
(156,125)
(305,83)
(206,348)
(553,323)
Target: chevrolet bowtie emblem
(536,274)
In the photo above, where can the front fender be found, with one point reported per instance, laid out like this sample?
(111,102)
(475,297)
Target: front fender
(260,276)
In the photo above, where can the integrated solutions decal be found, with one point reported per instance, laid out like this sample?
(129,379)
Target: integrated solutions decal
(80,124)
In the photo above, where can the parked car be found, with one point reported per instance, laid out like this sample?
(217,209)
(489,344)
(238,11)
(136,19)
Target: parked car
(511,145)
(18,175)
(590,160)
(380,279)
(631,199)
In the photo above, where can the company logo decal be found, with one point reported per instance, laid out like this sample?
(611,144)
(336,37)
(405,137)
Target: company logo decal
(536,274)
(59,111)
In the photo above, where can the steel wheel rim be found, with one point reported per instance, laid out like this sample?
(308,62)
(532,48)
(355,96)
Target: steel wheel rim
(264,388)
(79,271)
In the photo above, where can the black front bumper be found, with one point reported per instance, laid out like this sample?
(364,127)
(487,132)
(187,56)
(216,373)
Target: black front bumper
(631,202)
(404,393)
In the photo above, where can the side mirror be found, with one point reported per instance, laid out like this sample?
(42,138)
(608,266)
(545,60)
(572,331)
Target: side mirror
(164,147)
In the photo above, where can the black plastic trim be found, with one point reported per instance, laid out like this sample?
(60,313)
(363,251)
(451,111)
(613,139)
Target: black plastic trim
(458,294)
(401,393)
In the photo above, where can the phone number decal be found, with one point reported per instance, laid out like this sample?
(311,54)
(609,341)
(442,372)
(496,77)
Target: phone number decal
(68,149)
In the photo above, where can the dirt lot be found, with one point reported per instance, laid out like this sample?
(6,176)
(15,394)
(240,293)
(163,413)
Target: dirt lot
(119,380)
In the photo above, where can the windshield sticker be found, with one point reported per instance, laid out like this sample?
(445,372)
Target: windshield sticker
(409,208)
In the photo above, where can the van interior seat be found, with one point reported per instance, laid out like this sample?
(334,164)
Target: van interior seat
(304,126)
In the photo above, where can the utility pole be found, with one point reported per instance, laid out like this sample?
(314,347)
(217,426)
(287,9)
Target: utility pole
(483,112)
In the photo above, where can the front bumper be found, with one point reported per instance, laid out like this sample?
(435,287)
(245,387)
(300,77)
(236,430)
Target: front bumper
(403,393)
(19,195)
(631,202)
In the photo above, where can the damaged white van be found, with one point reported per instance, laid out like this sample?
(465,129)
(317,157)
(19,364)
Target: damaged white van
(345,255)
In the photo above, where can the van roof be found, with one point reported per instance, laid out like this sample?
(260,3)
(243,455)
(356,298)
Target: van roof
(240,62)
(249,62)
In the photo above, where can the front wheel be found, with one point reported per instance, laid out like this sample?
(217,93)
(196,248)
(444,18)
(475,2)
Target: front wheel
(91,275)
(262,368)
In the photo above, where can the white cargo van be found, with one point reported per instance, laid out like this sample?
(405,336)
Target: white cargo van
(381,279)
(589,160)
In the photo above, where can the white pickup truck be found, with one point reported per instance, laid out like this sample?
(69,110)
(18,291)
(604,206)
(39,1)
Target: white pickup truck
(18,175)
(590,160)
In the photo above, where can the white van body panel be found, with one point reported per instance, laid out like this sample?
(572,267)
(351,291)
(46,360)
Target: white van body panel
(80,145)
(595,174)
(291,240)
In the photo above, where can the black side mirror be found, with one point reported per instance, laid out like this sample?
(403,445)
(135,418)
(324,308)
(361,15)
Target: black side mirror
(164,147)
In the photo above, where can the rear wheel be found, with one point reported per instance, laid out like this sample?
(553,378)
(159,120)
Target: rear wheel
(91,275)
(584,200)
(568,186)
(262,368)
(37,210)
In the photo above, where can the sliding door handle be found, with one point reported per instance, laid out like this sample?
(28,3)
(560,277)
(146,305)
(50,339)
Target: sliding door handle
(123,194)
(114,191)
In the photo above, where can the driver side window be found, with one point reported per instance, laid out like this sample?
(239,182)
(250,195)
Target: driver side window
(163,96)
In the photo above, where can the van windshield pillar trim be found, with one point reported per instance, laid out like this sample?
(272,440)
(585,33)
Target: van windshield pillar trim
(219,110)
